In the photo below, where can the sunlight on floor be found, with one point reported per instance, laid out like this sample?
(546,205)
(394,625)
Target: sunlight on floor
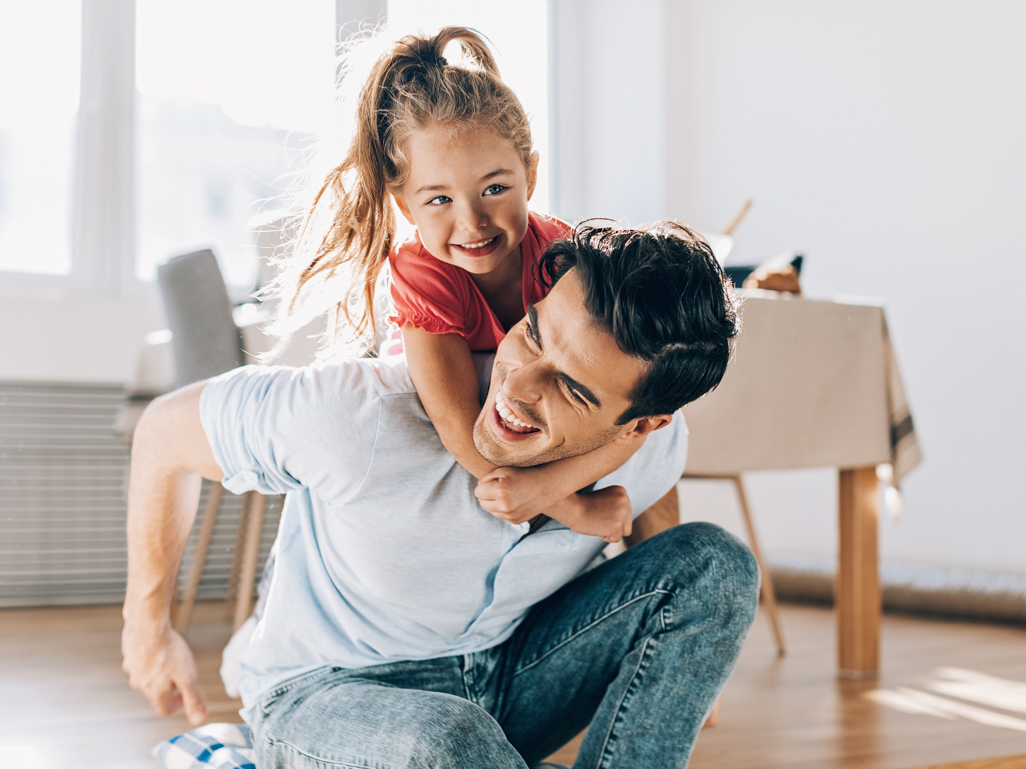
(977,687)
(965,685)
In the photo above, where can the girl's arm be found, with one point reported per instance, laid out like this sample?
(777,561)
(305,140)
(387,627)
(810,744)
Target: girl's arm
(447,382)
(515,493)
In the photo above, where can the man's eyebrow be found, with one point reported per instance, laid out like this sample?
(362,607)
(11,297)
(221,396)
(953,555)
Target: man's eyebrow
(532,325)
(575,385)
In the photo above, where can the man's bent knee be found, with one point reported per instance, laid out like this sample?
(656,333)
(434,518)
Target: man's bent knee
(460,735)
(714,562)
(381,726)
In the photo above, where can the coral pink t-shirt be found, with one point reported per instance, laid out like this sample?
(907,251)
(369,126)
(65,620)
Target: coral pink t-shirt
(442,299)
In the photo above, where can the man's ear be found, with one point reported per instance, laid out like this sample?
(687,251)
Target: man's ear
(405,209)
(640,428)
(532,175)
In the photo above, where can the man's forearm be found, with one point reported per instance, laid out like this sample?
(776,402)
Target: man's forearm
(169,454)
(158,528)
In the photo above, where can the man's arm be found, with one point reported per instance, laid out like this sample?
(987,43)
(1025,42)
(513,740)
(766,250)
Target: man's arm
(170,454)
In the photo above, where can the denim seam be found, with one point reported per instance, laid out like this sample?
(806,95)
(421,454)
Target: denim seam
(626,690)
(288,686)
(463,675)
(588,627)
(322,761)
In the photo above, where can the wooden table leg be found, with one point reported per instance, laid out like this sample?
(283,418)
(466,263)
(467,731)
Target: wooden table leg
(254,513)
(857,591)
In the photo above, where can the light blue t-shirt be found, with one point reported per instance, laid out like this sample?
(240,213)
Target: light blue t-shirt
(383,552)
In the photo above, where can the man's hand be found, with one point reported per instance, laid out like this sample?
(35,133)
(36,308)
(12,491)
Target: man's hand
(160,665)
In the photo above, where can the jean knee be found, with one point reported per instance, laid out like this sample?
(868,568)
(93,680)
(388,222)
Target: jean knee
(738,571)
(463,736)
(727,569)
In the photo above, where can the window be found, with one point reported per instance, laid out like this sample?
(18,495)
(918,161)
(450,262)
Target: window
(225,108)
(40,54)
(200,139)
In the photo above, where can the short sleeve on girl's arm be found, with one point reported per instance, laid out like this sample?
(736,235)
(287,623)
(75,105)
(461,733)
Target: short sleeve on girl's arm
(428,294)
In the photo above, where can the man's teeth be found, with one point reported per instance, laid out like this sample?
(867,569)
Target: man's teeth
(506,414)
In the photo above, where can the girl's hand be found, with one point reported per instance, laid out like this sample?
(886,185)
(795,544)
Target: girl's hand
(606,513)
(514,494)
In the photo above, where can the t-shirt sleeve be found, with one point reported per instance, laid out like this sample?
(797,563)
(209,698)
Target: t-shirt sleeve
(277,429)
(428,294)
(655,468)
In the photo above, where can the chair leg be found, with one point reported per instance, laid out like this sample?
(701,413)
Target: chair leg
(247,580)
(769,596)
(183,617)
(236,567)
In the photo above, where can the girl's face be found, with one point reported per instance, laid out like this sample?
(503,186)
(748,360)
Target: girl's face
(467,193)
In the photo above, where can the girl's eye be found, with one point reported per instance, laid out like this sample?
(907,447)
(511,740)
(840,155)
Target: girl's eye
(495,189)
(439,200)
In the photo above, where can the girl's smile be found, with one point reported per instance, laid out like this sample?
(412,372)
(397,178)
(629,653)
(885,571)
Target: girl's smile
(467,193)
(479,248)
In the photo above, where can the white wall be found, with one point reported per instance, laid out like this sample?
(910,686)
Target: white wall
(611,119)
(74,339)
(885,141)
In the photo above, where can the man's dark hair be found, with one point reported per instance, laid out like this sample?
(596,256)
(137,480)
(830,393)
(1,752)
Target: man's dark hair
(663,297)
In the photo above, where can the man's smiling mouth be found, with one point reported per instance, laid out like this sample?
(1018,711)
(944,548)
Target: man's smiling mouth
(509,420)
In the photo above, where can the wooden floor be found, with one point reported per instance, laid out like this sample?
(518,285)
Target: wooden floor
(64,701)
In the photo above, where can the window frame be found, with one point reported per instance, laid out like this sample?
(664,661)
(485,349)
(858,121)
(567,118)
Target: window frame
(102,202)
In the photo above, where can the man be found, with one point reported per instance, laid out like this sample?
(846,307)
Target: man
(405,626)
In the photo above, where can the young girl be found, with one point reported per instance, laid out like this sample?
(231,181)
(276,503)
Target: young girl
(451,145)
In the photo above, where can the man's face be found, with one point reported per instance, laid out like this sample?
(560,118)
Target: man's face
(563,380)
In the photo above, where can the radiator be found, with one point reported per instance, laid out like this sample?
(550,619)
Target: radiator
(63,481)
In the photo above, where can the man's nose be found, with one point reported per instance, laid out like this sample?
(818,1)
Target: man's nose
(523,382)
(472,217)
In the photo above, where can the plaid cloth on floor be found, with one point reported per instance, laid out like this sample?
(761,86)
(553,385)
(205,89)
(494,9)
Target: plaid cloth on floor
(214,746)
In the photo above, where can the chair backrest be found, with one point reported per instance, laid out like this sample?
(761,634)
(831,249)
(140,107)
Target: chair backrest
(205,341)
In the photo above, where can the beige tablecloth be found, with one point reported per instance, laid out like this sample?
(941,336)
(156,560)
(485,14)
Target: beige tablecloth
(811,384)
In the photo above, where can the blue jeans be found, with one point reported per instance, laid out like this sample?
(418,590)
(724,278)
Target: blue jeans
(637,650)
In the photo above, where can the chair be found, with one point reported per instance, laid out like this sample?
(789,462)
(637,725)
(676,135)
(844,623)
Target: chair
(206,342)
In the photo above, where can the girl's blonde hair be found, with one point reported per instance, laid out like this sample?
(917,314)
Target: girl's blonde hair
(350,227)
